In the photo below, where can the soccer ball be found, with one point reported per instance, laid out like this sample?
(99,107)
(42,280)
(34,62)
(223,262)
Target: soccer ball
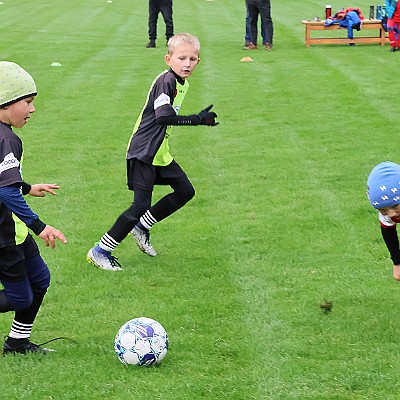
(141,341)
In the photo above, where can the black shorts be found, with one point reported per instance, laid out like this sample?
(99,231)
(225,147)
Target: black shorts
(12,260)
(145,176)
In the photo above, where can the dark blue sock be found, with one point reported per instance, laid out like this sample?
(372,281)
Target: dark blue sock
(102,251)
(140,226)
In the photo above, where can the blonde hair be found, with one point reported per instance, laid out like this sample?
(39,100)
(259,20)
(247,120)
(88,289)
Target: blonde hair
(183,38)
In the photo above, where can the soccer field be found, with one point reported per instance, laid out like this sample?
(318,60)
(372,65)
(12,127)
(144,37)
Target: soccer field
(280,222)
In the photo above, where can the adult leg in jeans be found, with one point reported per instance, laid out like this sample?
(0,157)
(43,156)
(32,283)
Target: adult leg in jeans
(247,38)
(253,17)
(264,7)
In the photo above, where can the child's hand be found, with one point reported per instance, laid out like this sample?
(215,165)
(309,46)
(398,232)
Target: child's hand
(50,234)
(207,117)
(40,189)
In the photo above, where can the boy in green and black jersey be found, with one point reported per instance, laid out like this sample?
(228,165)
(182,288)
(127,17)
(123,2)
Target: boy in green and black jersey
(149,161)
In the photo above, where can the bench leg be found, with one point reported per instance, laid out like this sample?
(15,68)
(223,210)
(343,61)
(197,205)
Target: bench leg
(383,37)
(307,36)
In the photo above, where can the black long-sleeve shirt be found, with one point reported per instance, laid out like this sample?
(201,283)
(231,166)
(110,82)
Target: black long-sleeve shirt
(390,237)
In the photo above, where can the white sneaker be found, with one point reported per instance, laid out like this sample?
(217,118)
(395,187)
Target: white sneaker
(142,239)
(103,261)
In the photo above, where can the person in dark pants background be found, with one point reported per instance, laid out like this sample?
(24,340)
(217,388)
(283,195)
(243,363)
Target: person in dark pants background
(262,7)
(155,7)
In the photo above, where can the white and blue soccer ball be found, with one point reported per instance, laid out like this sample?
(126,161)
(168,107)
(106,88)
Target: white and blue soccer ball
(141,341)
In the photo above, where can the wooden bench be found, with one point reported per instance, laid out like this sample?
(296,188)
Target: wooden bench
(366,24)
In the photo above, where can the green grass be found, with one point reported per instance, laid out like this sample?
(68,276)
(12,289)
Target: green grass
(280,221)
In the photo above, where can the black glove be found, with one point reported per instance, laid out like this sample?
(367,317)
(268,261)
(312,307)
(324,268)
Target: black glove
(207,118)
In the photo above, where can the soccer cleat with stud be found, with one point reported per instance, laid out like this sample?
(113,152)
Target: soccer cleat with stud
(142,239)
(103,261)
(26,347)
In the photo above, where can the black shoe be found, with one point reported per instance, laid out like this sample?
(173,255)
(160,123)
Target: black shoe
(23,348)
(151,44)
(392,49)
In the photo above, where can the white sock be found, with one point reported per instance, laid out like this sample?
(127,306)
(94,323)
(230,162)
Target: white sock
(20,330)
(147,220)
(107,243)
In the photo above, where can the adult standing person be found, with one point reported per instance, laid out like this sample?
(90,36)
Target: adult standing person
(165,8)
(393,21)
(262,8)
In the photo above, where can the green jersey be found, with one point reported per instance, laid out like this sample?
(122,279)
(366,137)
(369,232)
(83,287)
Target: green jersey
(149,140)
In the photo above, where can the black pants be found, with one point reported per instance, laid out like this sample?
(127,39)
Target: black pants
(165,7)
(141,179)
(262,7)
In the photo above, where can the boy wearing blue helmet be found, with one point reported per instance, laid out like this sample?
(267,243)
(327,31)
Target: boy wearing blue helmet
(383,189)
